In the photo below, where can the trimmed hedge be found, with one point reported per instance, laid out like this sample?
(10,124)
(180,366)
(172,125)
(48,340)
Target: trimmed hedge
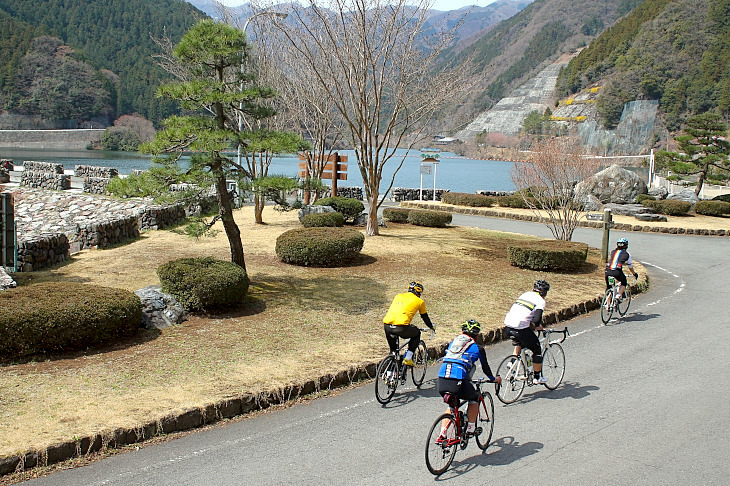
(514,201)
(55,317)
(434,219)
(671,207)
(554,255)
(204,283)
(396,215)
(465,199)
(350,208)
(319,247)
(318,220)
(644,197)
(712,208)
(722,197)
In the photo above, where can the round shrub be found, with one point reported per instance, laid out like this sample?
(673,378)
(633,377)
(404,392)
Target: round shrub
(514,201)
(65,316)
(644,197)
(316,220)
(722,197)
(434,219)
(396,215)
(548,255)
(204,283)
(319,247)
(671,207)
(712,208)
(465,199)
(350,207)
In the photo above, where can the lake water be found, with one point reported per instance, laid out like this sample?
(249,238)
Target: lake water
(455,173)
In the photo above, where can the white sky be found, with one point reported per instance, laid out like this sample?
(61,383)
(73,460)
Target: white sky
(438,5)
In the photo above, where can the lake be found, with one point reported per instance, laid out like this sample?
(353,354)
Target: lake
(455,173)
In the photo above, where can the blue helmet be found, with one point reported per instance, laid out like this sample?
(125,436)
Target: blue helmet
(622,244)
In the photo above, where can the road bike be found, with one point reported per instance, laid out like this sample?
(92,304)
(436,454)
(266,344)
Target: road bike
(391,371)
(612,302)
(516,371)
(448,433)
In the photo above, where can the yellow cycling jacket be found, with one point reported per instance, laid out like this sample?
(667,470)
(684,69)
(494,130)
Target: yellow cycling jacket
(403,308)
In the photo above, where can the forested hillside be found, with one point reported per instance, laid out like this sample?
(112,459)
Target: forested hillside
(676,52)
(517,48)
(111,37)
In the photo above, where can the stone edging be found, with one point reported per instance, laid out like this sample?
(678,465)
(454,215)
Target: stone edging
(585,224)
(243,404)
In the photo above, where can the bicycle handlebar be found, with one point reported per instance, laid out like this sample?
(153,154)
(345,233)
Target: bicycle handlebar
(564,332)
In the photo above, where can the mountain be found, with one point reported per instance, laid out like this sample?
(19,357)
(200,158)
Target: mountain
(115,37)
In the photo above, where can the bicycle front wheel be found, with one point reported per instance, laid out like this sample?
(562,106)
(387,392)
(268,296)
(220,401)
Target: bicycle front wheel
(553,365)
(420,363)
(441,444)
(623,305)
(485,420)
(514,376)
(386,380)
(607,306)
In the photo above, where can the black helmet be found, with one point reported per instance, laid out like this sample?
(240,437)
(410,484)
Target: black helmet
(416,288)
(622,244)
(471,327)
(541,287)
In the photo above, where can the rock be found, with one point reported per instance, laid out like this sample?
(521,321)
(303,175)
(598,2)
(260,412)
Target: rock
(159,310)
(6,282)
(658,192)
(651,217)
(628,209)
(362,220)
(590,203)
(612,185)
(313,209)
(686,195)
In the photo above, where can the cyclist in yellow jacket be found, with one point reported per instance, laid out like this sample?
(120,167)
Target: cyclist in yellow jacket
(397,321)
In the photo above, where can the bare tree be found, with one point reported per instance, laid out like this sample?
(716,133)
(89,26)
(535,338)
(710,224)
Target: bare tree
(546,183)
(375,60)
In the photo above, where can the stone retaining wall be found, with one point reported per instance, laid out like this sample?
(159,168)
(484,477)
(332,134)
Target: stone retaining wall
(153,218)
(42,252)
(95,171)
(45,180)
(407,194)
(95,185)
(103,234)
(36,166)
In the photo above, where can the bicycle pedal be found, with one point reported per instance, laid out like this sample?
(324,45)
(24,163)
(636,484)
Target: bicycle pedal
(478,431)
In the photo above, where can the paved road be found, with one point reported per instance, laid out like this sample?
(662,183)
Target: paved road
(644,401)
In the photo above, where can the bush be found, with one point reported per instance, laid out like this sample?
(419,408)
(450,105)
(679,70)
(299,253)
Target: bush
(671,207)
(320,247)
(514,201)
(204,283)
(464,199)
(53,317)
(396,215)
(548,255)
(712,208)
(434,219)
(722,197)
(644,197)
(316,220)
(350,208)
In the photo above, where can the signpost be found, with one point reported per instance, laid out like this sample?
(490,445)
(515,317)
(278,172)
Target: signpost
(334,168)
(7,231)
(429,160)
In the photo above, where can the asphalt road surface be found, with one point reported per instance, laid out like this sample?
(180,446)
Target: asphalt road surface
(644,401)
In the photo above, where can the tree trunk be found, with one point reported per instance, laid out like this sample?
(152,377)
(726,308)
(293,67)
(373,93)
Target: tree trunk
(258,208)
(229,225)
(372,228)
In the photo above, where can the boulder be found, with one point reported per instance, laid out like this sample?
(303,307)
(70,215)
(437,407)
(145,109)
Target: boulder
(686,195)
(628,209)
(159,310)
(659,192)
(6,281)
(590,202)
(314,209)
(362,220)
(612,185)
(651,217)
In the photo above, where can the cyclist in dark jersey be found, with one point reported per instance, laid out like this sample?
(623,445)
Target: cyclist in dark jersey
(458,369)
(619,258)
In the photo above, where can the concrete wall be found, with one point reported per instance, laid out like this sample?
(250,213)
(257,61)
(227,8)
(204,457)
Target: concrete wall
(61,139)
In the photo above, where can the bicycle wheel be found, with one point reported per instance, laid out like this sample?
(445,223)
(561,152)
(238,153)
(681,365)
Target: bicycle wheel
(485,420)
(513,373)
(420,363)
(441,447)
(386,380)
(607,306)
(623,305)
(553,365)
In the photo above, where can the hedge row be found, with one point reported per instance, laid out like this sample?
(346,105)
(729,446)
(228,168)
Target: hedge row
(465,199)
(418,217)
(712,208)
(205,283)
(671,207)
(349,207)
(65,316)
(396,215)
(319,247)
(553,255)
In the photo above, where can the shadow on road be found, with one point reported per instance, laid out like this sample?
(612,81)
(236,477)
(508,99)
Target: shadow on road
(409,393)
(566,389)
(501,452)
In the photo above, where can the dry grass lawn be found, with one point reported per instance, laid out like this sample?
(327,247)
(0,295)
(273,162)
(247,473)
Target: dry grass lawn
(299,323)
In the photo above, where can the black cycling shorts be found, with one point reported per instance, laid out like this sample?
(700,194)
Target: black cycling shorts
(618,274)
(527,339)
(462,389)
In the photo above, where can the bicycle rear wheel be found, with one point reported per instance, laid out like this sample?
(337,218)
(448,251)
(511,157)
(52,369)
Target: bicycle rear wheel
(441,444)
(514,376)
(607,306)
(485,420)
(623,305)
(386,380)
(420,363)
(553,365)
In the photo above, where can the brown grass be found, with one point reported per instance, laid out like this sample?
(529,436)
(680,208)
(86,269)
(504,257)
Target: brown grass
(298,324)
